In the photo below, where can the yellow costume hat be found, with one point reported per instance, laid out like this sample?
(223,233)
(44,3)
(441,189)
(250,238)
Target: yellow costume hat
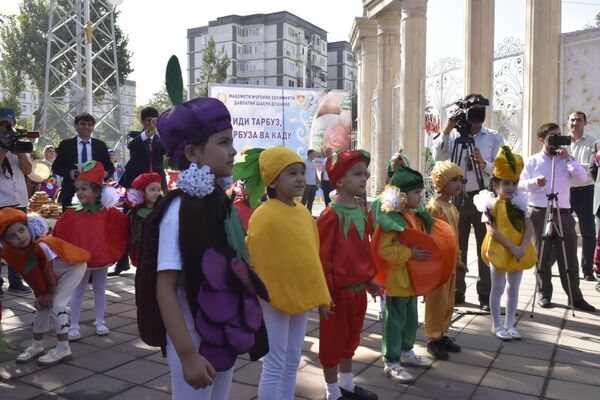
(443,172)
(274,160)
(508,165)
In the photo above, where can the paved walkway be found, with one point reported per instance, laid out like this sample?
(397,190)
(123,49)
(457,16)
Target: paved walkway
(559,357)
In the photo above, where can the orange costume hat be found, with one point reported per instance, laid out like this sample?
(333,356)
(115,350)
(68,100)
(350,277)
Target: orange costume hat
(9,216)
(91,171)
(339,164)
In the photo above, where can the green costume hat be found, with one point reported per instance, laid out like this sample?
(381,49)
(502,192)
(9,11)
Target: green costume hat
(407,179)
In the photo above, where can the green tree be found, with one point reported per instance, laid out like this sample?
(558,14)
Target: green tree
(214,67)
(159,100)
(12,80)
(30,26)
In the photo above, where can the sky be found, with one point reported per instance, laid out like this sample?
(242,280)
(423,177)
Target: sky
(157,29)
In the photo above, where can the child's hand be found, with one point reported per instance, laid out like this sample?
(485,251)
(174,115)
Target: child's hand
(375,289)
(418,254)
(197,371)
(44,301)
(518,252)
(325,310)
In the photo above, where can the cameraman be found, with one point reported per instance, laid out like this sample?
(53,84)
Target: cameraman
(487,143)
(535,179)
(13,189)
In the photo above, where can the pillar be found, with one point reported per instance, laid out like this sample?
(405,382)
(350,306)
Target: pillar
(542,62)
(413,37)
(479,50)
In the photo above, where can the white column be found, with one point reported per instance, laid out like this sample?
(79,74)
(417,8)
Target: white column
(388,62)
(479,50)
(542,63)
(413,36)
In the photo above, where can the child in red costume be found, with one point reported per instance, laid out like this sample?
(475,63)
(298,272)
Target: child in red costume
(344,229)
(141,197)
(53,268)
(95,225)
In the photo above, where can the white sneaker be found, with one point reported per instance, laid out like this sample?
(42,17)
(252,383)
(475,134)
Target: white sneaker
(74,334)
(54,355)
(398,374)
(29,353)
(501,334)
(411,358)
(102,330)
(514,333)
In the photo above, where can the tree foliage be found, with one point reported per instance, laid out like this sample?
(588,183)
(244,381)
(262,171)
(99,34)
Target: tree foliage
(214,67)
(159,100)
(23,41)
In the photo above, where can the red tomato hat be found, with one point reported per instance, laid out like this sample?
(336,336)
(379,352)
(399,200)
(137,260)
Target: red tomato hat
(339,164)
(145,179)
(91,171)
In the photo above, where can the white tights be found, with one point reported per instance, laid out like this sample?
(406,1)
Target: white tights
(512,281)
(99,286)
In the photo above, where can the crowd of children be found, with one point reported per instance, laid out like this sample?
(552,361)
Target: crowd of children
(227,284)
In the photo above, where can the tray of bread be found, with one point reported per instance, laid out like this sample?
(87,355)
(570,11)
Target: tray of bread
(42,204)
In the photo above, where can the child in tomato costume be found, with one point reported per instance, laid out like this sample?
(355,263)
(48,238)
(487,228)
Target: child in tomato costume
(97,226)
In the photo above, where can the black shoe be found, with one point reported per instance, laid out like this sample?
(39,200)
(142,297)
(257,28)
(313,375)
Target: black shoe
(589,276)
(583,305)
(358,394)
(459,298)
(117,271)
(484,302)
(597,287)
(544,302)
(19,288)
(449,344)
(437,349)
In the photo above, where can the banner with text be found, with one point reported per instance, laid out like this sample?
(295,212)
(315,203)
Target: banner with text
(300,119)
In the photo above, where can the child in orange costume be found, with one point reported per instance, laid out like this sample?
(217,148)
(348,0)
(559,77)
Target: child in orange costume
(345,251)
(447,180)
(95,225)
(52,267)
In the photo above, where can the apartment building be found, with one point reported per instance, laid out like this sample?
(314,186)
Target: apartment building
(341,66)
(277,49)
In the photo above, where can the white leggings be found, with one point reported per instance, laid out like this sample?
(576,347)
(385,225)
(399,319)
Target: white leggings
(67,279)
(512,281)
(280,365)
(180,390)
(99,286)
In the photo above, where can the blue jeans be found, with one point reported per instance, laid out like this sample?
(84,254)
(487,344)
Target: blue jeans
(582,199)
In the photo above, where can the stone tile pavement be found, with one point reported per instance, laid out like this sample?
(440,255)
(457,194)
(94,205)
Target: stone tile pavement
(559,357)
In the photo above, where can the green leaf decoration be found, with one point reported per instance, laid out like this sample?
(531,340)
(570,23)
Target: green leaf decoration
(426,217)
(389,221)
(348,216)
(31,262)
(93,208)
(174,81)
(366,155)
(510,158)
(249,172)
(2,341)
(515,216)
(87,166)
(143,212)
(236,236)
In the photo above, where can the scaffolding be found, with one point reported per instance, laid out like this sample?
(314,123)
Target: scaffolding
(82,72)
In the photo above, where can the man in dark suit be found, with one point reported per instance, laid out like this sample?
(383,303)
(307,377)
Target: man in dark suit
(146,154)
(146,151)
(76,150)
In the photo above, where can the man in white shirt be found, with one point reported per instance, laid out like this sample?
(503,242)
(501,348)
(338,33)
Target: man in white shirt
(536,180)
(311,180)
(13,189)
(582,194)
(487,144)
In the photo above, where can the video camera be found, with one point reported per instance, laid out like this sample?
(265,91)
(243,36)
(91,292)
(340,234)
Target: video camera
(466,114)
(10,140)
(557,141)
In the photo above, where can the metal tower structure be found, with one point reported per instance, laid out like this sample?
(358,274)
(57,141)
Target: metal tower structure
(82,73)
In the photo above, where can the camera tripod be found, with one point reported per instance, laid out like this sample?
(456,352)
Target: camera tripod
(464,147)
(552,228)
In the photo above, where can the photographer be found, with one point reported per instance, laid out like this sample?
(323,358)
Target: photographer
(146,154)
(468,119)
(13,189)
(535,179)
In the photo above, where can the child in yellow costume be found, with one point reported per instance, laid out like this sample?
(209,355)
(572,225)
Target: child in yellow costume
(400,243)
(507,248)
(447,180)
